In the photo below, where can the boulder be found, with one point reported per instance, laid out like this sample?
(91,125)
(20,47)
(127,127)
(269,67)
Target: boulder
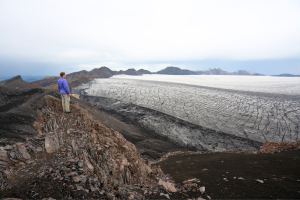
(167,185)
(51,143)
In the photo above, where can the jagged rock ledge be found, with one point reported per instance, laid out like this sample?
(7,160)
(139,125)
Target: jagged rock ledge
(86,156)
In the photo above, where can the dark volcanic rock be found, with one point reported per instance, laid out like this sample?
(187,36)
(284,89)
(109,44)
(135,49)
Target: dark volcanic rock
(233,175)
(46,81)
(18,112)
(72,150)
(176,71)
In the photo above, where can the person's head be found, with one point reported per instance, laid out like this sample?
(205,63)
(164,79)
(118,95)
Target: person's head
(62,74)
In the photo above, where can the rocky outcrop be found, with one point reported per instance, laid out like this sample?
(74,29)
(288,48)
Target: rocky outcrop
(18,112)
(96,145)
(270,146)
(81,148)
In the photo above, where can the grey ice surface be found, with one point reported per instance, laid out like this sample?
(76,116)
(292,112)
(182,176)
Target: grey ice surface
(253,115)
(267,84)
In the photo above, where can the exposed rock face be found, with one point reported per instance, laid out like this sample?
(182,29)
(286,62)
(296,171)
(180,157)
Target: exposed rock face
(19,152)
(96,145)
(271,146)
(40,143)
(176,71)
(18,112)
(100,154)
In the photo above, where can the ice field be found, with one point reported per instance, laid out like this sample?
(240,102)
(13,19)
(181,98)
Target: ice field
(268,84)
(256,108)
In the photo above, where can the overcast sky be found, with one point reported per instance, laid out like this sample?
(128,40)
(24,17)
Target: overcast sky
(47,37)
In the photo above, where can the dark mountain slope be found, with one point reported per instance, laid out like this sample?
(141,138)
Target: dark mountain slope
(143,71)
(215,71)
(218,71)
(18,112)
(242,72)
(17,83)
(176,71)
(129,72)
(287,75)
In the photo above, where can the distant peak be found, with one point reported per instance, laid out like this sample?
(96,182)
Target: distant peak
(16,78)
(171,67)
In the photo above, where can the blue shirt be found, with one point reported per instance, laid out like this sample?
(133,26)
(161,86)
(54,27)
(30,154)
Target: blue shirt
(63,86)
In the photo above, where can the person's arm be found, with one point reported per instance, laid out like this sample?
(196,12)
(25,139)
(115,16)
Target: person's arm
(66,87)
(58,86)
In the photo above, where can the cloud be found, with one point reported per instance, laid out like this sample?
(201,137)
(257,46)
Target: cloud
(87,32)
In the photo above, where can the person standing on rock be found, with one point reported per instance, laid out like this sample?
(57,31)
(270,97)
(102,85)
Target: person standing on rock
(65,92)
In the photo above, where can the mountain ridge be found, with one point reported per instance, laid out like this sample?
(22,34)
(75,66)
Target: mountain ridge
(84,76)
(176,71)
(287,75)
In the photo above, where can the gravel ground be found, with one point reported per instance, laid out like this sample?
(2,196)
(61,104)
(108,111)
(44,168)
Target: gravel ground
(236,175)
